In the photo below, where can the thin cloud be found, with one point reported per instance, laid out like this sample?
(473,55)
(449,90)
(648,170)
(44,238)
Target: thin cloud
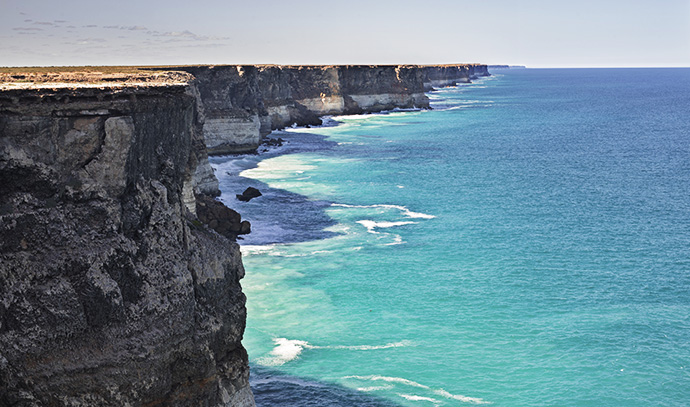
(186,34)
(27,29)
(86,41)
(43,23)
(124,27)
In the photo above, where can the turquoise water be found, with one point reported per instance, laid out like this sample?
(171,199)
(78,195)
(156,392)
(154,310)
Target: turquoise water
(526,243)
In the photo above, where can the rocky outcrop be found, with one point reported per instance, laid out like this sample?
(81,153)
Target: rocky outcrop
(112,292)
(220,218)
(248,194)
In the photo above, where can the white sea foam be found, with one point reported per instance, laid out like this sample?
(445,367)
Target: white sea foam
(375,388)
(404,210)
(406,382)
(290,349)
(368,347)
(285,351)
(372,225)
(413,397)
(397,239)
(464,399)
(277,168)
(283,254)
(389,379)
(281,379)
(249,250)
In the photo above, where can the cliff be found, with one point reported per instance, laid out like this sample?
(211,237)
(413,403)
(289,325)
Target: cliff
(243,103)
(113,293)
(440,76)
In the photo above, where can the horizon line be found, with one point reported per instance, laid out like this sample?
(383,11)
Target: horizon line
(513,66)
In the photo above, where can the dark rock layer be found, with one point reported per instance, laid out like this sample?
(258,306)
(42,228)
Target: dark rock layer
(220,218)
(112,292)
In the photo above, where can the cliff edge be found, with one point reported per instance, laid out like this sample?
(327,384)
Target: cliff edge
(112,291)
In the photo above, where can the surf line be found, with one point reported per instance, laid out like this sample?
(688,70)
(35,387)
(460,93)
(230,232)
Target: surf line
(290,349)
(410,383)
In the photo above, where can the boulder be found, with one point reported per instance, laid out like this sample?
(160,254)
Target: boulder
(220,218)
(248,194)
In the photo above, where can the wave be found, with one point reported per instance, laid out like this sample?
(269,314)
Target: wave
(407,382)
(389,379)
(397,239)
(413,397)
(371,225)
(283,379)
(290,349)
(368,347)
(403,209)
(285,351)
(248,250)
(464,399)
(375,388)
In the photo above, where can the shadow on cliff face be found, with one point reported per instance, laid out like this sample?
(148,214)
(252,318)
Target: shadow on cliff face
(272,388)
(278,215)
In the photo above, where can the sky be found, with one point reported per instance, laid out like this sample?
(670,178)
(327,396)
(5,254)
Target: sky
(535,33)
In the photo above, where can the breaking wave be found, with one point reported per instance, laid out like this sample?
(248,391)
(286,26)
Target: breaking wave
(290,349)
(410,383)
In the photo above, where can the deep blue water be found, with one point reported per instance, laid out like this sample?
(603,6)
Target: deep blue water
(525,243)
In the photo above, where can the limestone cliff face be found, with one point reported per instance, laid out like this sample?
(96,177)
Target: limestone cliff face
(477,70)
(297,94)
(440,76)
(111,291)
(231,103)
(382,87)
(241,104)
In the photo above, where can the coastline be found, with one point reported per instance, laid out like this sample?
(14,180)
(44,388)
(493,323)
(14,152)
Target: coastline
(118,161)
(290,349)
(296,140)
(301,139)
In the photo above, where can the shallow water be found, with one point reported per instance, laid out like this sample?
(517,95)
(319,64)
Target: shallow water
(526,243)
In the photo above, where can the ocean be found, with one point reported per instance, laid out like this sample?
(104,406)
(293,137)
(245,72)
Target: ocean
(524,243)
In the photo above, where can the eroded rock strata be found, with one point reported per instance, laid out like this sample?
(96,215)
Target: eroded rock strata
(243,103)
(112,291)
